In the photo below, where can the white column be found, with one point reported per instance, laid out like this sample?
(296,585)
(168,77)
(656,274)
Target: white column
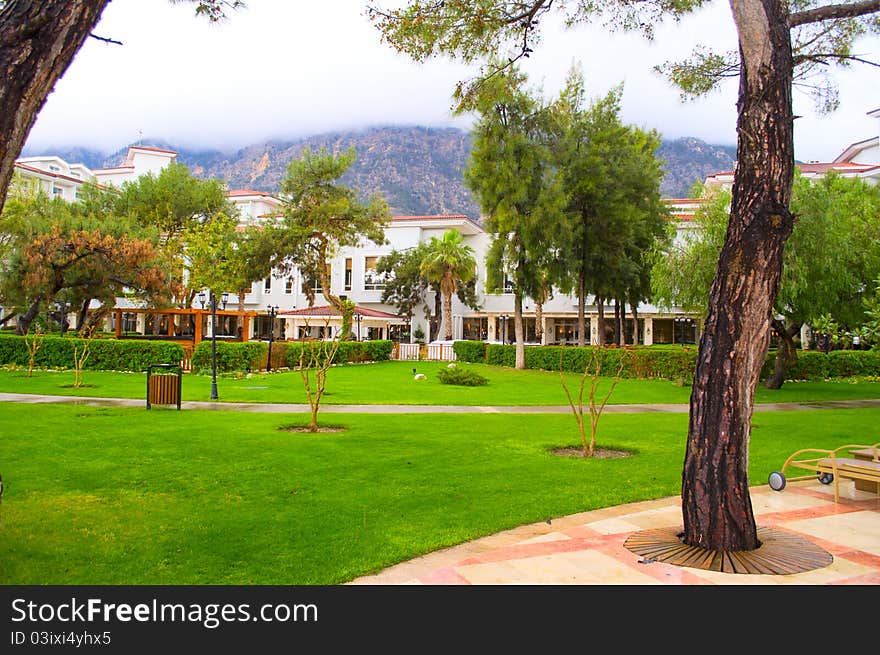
(594,330)
(806,335)
(648,336)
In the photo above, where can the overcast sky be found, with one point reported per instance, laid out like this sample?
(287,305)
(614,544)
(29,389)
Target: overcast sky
(289,68)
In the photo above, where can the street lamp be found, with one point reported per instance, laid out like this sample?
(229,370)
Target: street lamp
(271,312)
(503,318)
(681,321)
(212,303)
(358,317)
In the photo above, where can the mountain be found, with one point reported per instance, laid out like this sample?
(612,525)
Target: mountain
(417,169)
(687,160)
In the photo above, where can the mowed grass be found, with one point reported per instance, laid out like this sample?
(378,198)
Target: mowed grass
(130,496)
(393,383)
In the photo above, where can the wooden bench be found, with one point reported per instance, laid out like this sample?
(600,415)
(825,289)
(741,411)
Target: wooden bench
(871,455)
(830,467)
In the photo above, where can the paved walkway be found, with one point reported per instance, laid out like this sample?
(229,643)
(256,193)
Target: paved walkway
(588,548)
(285,408)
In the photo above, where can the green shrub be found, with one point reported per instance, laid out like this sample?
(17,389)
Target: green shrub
(848,363)
(816,365)
(105,354)
(470,351)
(638,361)
(377,351)
(231,356)
(348,352)
(461,376)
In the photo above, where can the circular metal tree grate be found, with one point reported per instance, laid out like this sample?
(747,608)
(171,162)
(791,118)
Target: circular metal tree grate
(780,553)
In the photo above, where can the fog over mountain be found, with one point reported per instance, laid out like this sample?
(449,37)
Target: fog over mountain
(417,169)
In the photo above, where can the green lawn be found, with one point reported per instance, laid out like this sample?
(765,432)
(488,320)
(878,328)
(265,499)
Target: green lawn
(127,496)
(393,383)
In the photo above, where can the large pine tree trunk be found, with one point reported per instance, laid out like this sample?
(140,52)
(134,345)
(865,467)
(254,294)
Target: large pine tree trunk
(582,300)
(716,505)
(38,40)
(518,332)
(786,355)
(600,331)
(539,322)
(635,314)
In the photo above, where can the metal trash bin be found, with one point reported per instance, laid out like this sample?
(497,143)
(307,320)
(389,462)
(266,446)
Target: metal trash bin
(164,388)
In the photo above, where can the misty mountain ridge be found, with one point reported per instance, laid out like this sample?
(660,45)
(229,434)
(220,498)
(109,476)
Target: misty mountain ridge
(418,170)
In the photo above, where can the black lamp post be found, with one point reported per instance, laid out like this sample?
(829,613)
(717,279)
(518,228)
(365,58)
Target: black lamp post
(504,318)
(212,302)
(681,321)
(358,317)
(271,312)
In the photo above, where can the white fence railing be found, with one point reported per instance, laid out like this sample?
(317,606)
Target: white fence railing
(413,352)
(441,352)
(407,351)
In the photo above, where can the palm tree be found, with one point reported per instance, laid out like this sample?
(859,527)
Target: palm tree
(449,262)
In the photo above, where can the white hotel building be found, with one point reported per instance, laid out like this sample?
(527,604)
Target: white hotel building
(353,274)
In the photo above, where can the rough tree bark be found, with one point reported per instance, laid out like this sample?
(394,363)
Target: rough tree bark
(716,505)
(635,315)
(786,355)
(600,312)
(434,321)
(582,299)
(519,332)
(448,289)
(38,40)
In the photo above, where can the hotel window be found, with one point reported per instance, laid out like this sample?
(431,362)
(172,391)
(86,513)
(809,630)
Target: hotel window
(267,284)
(57,191)
(508,284)
(566,331)
(288,286)
(475,329)
(314,283)
(373,280)
(348,274)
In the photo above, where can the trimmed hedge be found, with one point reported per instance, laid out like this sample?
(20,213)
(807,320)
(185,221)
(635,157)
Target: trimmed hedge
(470,351)
(104,354)
(678,364)
(816,365)
(231,356)
(667,363)
(348,352)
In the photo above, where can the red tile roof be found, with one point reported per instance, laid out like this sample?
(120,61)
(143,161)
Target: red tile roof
(327,310)
(435,217)
(61,176)
(683,201)
(248,192)
(843,166)
(152,149)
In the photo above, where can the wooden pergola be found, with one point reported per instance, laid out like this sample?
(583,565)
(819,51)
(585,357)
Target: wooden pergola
(195,328)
